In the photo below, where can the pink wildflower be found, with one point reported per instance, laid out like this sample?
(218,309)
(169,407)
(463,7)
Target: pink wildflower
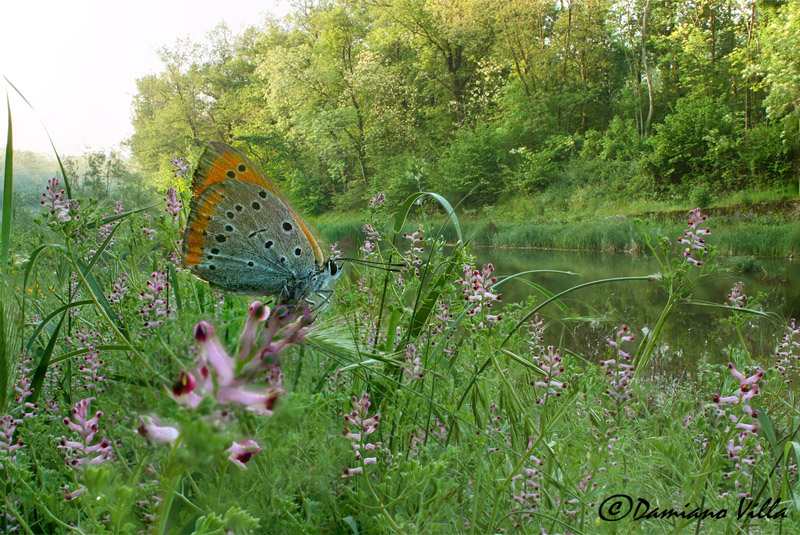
(174,205)
(82,452)
(363,426)
(240,454)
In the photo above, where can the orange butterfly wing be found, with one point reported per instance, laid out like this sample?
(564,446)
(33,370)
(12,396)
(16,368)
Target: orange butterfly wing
(220,162)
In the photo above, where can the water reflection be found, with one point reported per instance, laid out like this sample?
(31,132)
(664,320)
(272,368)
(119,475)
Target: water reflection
(692,332)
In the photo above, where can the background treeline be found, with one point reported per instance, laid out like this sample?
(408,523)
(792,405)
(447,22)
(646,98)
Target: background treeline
(567,102)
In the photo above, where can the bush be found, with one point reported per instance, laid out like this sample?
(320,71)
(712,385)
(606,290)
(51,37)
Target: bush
(696,140)
(473,164)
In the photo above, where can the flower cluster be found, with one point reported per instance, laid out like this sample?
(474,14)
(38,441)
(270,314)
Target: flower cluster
(550,361)
(23,388)
(174,204)
(364,426)
(438,431)
(377,200)
(336,253)
(476,289)
(82,453)
(181,168)
(619,369)
(788,352)
(252,379)
(410,257)
(413,366)
(529,494)
(62,210)
(149,233)
(154,300)
(91,369)
(228,379)
(693,237)
(494,429)
(371,239)
(746,425)
(103,231)
(8,425)
(119,290)
(737,298)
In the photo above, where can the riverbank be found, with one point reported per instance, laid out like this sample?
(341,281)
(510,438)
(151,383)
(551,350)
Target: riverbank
(769,229)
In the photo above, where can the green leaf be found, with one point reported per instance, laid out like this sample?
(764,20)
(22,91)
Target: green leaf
(52,315)
(766,426)
(100,298)
(44,362)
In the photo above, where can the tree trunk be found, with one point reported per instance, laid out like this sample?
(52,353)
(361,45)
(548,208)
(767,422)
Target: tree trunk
(647,70)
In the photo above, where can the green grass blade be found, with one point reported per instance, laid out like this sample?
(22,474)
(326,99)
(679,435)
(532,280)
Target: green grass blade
(175,288)
(78,352)
(67,187)
(8,195)
(100,298)
(521,273)
(52,315)
(9,335)
(44,362)
(405,208)
(420,318)
(29,264)
(102,247)
(112,218)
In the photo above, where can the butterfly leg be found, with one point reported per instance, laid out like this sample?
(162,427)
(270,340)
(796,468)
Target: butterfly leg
(326,296)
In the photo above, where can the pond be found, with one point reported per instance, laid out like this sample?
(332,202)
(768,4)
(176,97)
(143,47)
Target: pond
(692,332)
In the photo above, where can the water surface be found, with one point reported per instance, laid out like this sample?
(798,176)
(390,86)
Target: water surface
(692,332)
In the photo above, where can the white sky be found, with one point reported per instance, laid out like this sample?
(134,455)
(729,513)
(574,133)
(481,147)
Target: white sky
(77,61)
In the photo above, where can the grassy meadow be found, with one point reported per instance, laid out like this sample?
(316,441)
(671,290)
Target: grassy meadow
(137,399)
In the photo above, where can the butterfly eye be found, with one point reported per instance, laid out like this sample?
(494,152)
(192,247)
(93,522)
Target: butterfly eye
(333,267)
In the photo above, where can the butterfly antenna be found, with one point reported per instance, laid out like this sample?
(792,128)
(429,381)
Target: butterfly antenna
(385,266)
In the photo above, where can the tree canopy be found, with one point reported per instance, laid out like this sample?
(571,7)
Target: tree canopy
(489,99)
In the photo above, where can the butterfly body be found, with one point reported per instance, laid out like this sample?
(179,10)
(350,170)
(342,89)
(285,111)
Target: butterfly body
(243,237)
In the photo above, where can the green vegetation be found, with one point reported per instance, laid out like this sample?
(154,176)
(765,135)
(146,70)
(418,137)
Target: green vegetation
(136,399)
(572,107)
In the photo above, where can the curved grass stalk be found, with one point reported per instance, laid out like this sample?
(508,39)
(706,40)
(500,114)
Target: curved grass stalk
(534,311)
(105,314)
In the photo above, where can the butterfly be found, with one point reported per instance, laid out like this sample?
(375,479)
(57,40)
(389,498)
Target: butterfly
(244,238)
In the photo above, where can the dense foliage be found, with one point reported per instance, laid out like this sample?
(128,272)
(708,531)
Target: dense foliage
(491,99)
(136,400)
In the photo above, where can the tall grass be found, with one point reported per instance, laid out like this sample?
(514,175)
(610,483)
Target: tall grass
(8,195)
